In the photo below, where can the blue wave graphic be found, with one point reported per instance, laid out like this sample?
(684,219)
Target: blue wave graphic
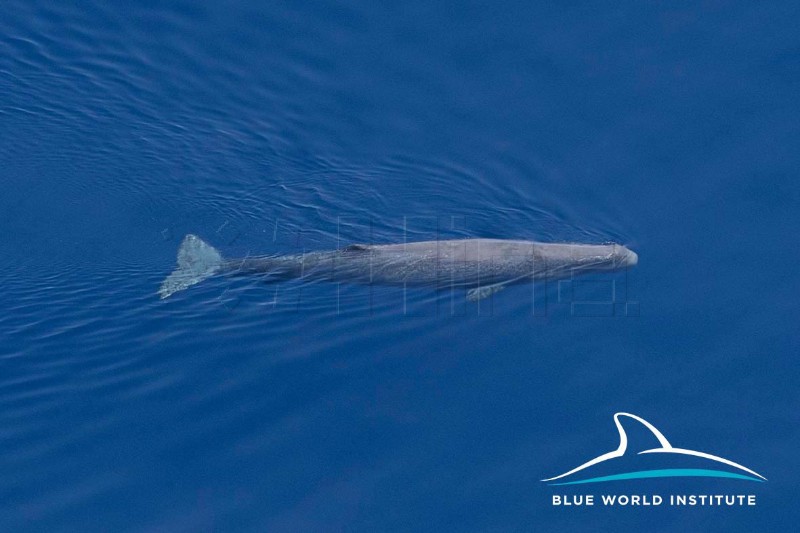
(672,472)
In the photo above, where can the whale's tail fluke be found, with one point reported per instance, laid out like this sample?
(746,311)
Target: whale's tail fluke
(197,260)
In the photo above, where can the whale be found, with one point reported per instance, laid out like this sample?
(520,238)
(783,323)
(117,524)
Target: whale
(481,266)
(712,465)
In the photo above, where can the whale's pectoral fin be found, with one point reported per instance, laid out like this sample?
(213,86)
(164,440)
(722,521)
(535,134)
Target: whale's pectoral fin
(356,247)
(197,260)
(479,293)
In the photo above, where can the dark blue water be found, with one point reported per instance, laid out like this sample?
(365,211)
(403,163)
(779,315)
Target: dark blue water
(271,127)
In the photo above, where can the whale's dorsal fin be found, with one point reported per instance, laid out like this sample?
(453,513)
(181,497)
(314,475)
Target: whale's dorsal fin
(356,247)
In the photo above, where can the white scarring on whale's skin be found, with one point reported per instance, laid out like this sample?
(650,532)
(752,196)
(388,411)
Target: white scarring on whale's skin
(486,265)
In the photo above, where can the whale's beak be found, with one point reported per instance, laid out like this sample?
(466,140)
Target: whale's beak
(630,258)
(624,257)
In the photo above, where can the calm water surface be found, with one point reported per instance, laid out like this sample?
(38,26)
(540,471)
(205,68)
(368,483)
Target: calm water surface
(288,126)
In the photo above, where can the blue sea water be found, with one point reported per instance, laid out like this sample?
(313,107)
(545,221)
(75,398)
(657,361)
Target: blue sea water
(278,127)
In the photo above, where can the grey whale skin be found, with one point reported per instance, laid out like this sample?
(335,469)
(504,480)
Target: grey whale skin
(484,266)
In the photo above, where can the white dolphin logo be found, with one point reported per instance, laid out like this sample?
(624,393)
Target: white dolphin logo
(666,447)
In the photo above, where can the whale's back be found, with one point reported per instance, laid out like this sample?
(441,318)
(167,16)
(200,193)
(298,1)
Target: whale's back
(462,262)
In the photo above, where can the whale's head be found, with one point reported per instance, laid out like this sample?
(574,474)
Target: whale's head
(623,257)
(578,258)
